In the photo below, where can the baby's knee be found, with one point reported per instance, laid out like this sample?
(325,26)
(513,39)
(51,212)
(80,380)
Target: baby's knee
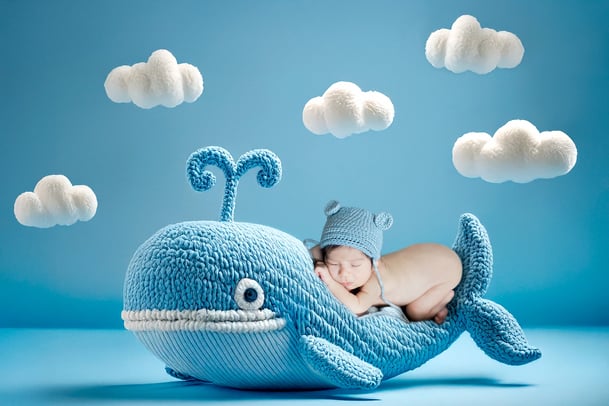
(415,311)
(449,296)
(428,305)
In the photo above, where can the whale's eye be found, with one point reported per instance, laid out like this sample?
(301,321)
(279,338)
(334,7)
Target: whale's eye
(249,294)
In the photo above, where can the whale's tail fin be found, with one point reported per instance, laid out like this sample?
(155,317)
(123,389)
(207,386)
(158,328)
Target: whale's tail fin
(490,325)
(474,248)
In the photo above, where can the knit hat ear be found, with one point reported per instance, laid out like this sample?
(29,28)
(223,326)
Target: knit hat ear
(383,220)
(332,207)
(354,227)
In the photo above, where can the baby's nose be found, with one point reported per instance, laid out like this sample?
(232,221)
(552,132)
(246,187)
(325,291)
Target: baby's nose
(343,271)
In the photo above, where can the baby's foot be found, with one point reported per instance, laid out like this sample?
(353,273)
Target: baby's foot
(441,315)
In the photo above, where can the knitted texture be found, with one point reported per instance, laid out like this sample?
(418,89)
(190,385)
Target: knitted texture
(354,227)
(238,304)
(202,179)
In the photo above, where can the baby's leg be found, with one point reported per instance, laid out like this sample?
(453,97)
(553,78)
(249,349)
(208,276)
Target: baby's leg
(422,277)
(442,310)
(431,304)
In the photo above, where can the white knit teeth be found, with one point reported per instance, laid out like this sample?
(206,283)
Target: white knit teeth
(202,320)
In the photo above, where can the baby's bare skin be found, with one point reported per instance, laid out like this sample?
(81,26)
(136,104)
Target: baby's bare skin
(419,278)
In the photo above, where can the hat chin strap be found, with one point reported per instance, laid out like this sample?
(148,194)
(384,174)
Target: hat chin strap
(382,286)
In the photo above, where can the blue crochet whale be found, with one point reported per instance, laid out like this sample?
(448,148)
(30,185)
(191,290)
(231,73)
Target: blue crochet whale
(238,304)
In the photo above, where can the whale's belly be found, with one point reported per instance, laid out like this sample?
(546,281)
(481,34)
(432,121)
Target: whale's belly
(253,360)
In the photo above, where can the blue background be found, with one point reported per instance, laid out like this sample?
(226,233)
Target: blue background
(261,62)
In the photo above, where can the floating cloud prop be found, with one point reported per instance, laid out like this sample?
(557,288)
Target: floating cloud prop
(517,152)
(344,109)
(55,201)
(467,46)
(160,81)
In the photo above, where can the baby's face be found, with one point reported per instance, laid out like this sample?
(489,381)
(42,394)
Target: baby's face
(349,266)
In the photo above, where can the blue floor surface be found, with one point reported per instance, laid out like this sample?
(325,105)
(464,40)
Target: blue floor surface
(76,367)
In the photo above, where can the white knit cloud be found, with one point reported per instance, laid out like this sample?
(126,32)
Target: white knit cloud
(467,46)
(160,81)
(55,201)
(517,152)
(344,109)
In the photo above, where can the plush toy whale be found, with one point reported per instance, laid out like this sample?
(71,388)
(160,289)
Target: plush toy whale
(238,304)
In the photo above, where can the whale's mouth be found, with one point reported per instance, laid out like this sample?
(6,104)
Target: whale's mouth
(224,321)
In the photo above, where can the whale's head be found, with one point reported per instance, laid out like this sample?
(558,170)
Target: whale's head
(227,301)
(217,276)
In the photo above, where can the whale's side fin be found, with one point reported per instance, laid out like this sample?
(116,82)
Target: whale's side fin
(340,368)
(498,334)
(490,325)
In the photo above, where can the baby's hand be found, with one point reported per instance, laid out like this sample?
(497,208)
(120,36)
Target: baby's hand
(322,271)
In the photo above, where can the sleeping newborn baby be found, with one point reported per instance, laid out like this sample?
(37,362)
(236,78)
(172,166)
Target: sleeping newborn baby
(418,279)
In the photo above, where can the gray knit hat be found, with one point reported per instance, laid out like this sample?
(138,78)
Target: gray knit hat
(353,227)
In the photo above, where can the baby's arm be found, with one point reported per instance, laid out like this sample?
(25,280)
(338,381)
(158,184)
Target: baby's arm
(358,304)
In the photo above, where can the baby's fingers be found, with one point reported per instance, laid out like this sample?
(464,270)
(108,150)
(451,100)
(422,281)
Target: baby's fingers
(319,271)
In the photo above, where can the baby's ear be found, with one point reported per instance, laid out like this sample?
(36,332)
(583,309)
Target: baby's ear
(332,207)
(383,220)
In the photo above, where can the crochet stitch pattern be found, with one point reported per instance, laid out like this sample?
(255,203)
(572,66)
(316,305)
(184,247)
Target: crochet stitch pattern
(238,304)
(202,180)
(355,227)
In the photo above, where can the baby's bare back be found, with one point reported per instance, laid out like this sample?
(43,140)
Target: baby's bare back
(410,272)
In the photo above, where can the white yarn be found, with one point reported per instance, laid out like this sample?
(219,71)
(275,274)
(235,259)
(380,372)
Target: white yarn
(159,81)
(243,285)
(517,152)
(468,46)
(232,321)
(55,201)
(344,109)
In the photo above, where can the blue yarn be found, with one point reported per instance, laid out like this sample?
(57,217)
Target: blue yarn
(355,227)
(185,299)
(202,180)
